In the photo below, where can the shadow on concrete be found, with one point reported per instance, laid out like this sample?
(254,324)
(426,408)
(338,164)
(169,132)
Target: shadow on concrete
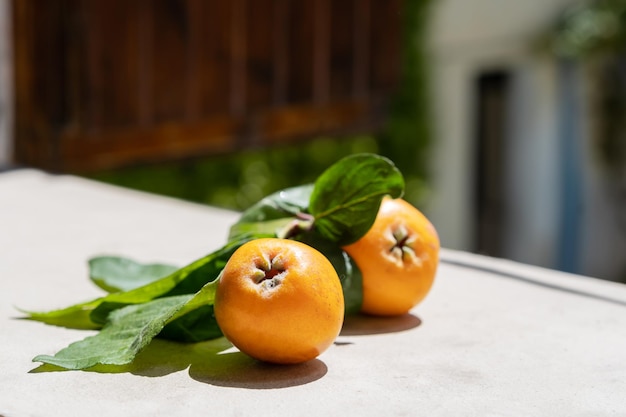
(360,324)
(213,362)
(234,369)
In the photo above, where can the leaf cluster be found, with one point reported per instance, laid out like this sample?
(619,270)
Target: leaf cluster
(156,300)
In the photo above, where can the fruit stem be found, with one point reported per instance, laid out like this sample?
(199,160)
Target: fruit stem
(304,223)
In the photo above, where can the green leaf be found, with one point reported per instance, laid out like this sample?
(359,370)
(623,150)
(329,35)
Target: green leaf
(269,228)
(187,280)
(74,317)
(285,203)
(275,214)
(115,274)
(196,326)
(351,283)
(349,274)
(195,322)
(346,197)
(128,331)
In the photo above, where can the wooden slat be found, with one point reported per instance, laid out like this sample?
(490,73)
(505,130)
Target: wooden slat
(168,63)
(144,67)
(105,83)
(39,102)
(321,51)
(293,123)
(215,60)
(238,58)
(50,92)
(300,77)
(215,135)
(361,36)
(259,55)
(74,61)
(94,68)
(341,49)
(195,13)
(24,73)
(119,60)
(385,47)
(82,153)
(280,31)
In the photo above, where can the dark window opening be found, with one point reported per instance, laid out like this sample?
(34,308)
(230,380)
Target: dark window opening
(492,98)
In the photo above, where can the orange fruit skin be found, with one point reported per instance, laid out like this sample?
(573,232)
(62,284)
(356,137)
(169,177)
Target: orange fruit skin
(287,319)
(396,280)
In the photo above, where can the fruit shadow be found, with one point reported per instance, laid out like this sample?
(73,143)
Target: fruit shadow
(361,324)
(214,362)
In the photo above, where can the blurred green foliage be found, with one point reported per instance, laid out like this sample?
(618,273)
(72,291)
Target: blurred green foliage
(237,181)
(407,137)
(590,28)
(593,33)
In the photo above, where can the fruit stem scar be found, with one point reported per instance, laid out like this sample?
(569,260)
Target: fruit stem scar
(401,243)
(402,246)
(269,271)
(305,216)
(303,223)
(401,236)
(271,274)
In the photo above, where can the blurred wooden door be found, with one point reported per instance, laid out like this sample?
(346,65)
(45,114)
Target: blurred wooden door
(106,83)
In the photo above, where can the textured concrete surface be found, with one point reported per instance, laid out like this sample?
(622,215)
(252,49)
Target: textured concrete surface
(494,338)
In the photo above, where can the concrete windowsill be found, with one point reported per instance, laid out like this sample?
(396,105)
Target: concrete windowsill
(493,337)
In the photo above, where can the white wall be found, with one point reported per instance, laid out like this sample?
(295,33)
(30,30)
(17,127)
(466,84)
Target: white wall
(463,27)
(6,90)
(467,37)
(533,175)
(450,207)
(603,247)
(472,36)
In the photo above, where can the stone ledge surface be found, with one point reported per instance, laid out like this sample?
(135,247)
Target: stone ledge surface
(493,338)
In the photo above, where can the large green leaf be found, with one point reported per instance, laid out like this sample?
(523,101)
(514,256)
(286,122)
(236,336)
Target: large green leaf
(284,203)
(116,273)
(76,316)
(128,331)
(346,197)
(268,228)
(196,321)
(196,326)
(349,274)
(186,280)
(275,215)
(351,282)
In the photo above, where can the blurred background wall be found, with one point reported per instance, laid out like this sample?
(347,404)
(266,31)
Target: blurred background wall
(472,43)
(515,167)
